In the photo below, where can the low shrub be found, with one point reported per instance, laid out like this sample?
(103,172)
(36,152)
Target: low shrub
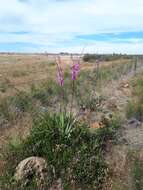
(75,153)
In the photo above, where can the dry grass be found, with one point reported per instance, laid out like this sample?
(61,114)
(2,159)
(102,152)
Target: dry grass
(20,71)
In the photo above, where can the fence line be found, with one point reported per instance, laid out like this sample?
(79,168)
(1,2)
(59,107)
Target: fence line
(135,65)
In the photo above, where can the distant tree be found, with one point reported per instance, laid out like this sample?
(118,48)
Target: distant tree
(104,57)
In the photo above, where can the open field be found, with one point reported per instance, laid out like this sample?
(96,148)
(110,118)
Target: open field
(20,71)
(107,97)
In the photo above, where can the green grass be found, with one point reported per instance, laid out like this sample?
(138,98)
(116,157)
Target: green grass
(137,174)
(13,107)
(135,107)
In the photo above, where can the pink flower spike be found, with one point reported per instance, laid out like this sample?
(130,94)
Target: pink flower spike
(76,67)
(75,70)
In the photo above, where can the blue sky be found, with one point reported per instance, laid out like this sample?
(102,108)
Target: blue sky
(101,26)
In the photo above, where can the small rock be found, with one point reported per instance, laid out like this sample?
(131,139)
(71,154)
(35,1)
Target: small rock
(32,166)
(106,119)
(43,109)
(57,185)
(126,86)
(134,122)
(96,125)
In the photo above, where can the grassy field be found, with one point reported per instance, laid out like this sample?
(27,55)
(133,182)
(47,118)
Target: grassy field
(82,118)
(21,71)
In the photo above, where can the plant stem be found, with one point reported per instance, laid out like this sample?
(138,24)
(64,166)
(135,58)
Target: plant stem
(72,98)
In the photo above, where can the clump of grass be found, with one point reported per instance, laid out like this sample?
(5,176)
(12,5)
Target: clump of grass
(130,109)
(138,87)
(48,93)
(137,174)
(12,108)
(5,85)
(22,101)
(135,107)
(5,111)
(51,63)
(19,73)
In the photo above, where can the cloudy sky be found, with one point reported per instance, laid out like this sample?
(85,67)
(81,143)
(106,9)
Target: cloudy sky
(101,26)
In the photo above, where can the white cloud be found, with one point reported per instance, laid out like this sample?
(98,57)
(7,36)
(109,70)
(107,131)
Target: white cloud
(54,24)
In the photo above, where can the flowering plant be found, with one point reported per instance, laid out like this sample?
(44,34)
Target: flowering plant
(75,68)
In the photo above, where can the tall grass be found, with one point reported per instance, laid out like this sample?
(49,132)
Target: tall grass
(135,107)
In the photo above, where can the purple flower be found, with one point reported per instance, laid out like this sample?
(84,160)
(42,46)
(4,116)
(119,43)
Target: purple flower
(76,67)
(75,71)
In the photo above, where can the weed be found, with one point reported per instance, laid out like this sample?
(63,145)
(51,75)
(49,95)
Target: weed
(5,85)
(11,108)
(135,107)
(137,172)
(19,73)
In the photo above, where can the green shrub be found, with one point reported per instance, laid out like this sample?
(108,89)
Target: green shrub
(89,57)
(103,57)
(69,147)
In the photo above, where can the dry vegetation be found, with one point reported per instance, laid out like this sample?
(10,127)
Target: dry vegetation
(104,94)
